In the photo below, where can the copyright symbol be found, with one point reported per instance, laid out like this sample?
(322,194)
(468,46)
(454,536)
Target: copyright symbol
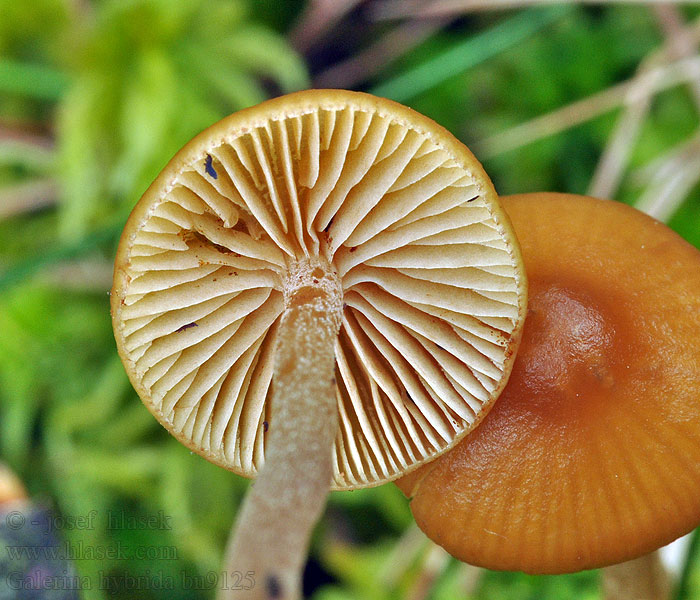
(15,520)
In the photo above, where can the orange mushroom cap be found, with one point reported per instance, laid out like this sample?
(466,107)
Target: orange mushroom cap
(591,456)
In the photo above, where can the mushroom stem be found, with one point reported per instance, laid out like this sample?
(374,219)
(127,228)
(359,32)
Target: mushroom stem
(643,578)
(272,535)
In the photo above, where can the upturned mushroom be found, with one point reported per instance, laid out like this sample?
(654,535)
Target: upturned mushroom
(591,455)
(326,284)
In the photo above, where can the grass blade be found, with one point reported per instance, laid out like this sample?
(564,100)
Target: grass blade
(469,53)
(32,265)
(36,81)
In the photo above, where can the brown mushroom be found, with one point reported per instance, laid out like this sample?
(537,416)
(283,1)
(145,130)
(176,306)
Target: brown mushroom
(591,456)
(324,283)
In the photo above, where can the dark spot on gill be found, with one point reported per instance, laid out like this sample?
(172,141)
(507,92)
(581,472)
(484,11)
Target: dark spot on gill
(205,241)
(265,426)
(353,249)
(242,227)
(197,237)
(187,326)
(273,587)
(472,199)
(209,168)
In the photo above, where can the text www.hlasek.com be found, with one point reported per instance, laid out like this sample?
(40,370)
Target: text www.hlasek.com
(82,551)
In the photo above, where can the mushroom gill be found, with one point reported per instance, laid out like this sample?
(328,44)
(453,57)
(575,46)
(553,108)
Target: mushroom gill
(328,203)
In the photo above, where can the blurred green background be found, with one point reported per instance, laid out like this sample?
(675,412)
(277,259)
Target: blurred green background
(96,95)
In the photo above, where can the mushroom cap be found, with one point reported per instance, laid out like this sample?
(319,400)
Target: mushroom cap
(591,456)
(407,222)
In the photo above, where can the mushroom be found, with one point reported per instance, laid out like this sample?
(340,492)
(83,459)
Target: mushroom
(325,284)
(591,455)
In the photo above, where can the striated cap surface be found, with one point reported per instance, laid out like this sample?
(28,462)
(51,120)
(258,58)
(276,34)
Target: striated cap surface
(591,455)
